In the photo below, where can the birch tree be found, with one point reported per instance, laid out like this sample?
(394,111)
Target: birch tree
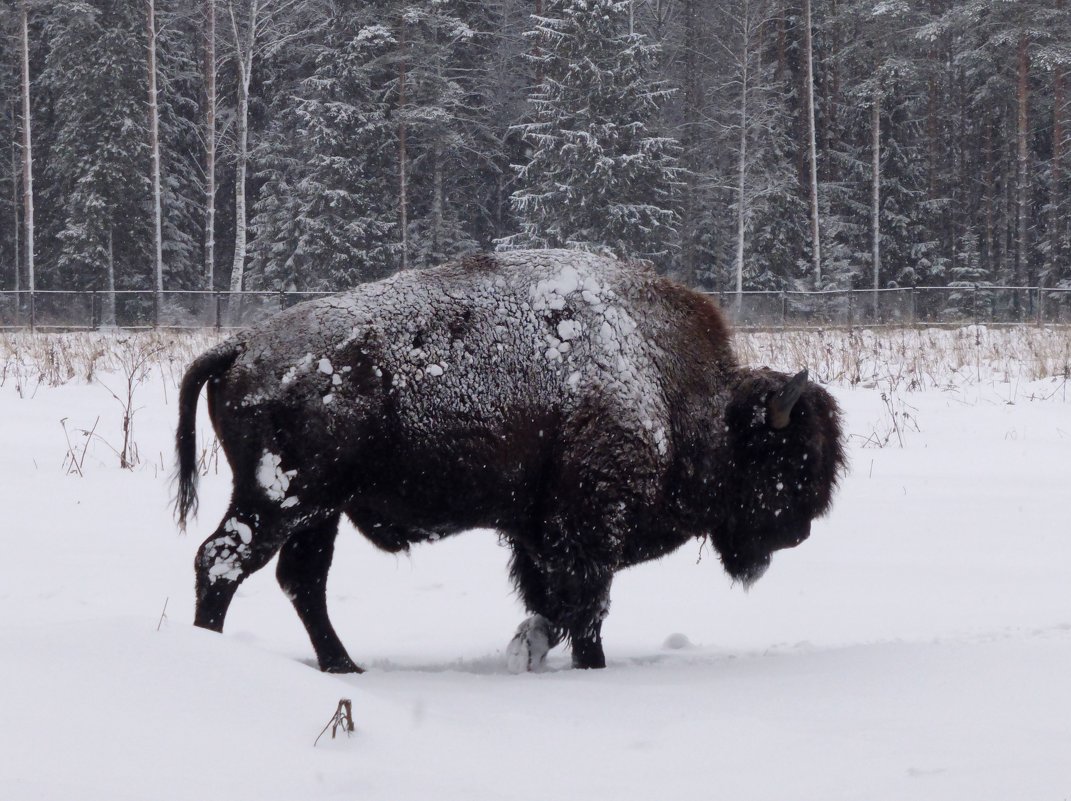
(812,154)
(27,146)
(154,148)
(16,169)
(740,37)
(259,29)
(209,135)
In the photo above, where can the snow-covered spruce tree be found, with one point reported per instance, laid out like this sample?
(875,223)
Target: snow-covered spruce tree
(97,172)
(598,178)
(326,216)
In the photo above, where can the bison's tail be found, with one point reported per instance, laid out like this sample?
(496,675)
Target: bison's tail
(207,366)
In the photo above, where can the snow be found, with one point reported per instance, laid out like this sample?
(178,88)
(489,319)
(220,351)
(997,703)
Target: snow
(272,478)
(916,646)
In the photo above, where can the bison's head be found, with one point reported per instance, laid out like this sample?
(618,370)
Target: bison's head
(784,456)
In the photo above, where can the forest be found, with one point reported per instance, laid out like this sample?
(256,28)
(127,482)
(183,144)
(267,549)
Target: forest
(317,144)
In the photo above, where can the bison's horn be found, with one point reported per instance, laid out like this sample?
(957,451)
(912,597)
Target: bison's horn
(780,405)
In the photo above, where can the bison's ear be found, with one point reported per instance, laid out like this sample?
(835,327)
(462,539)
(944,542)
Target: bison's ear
(779,407)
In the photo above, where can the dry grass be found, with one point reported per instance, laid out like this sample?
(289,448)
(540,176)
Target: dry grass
(908,359)
(30,361)
(896,362)
(893,359)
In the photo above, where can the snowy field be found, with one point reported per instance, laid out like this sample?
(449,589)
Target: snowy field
(917,646)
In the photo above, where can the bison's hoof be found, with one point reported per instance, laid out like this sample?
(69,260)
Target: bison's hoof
(341,666)
(528,648)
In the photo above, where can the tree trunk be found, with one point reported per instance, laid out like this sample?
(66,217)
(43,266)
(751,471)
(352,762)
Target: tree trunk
(403,200)
(990,182)
(691,145)
(245,79)
(959,213)
(1022,190)
(808,69)
(108,312)
(1007,221)
(238,265)
(1056,223)
(154,144)
(437,206)
(210,144)
(831,79)
(741,166)
(875,193)
(782,49)
(15,168)
(27,149)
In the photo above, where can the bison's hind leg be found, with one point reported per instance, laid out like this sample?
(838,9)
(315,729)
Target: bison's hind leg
(302,573)
(246,540)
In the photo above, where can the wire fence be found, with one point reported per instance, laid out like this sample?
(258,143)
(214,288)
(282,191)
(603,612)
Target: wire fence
(940,306)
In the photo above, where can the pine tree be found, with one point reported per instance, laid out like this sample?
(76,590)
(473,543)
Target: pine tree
(326,215)
(98,168)
(598,177)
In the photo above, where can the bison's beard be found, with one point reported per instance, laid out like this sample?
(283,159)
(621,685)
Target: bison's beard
(747,568)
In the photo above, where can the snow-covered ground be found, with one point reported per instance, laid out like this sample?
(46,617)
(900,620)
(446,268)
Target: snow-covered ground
(917,646)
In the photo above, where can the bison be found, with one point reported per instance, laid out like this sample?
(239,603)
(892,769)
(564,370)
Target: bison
(589,410)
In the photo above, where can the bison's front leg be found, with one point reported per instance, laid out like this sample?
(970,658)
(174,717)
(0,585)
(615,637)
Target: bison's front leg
(528,649)
(569,598)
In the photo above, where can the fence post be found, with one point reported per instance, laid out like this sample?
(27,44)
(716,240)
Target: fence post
(851,309)
(913,306)
(33,311)
(282,299)
(784,309)
(219,310)
(155,310)
(1041,302)
(974,303)
(94,318)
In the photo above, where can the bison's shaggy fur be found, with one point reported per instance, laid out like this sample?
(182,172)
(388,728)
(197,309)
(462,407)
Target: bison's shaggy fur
(590,411)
